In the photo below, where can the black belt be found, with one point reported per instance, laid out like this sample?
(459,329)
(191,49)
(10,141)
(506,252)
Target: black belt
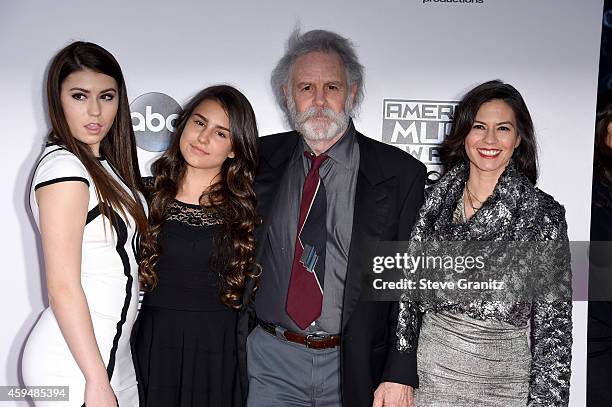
(313,340)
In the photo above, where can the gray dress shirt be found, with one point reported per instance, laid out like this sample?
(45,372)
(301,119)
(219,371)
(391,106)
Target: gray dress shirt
(339,176)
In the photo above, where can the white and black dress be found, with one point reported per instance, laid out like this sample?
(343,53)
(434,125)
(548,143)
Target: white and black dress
(109,277)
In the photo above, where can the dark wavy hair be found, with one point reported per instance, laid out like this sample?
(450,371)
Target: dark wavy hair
(602,162)
(233,195)
(525,156)
(118,146)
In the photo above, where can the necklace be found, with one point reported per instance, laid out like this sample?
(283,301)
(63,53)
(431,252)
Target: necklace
(469,196)
(472,195)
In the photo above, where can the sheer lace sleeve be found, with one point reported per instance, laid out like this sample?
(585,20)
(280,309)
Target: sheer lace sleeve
(408,326)
(551,329)
(552,354)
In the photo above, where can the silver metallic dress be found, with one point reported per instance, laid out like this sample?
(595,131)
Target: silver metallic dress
(490,353)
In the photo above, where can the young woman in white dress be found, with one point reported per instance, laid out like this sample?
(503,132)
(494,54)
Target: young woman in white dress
(87,202)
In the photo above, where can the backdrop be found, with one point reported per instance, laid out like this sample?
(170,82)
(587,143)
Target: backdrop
(419,56)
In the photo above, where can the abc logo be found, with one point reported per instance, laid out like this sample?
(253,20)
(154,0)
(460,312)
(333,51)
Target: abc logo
(154,116)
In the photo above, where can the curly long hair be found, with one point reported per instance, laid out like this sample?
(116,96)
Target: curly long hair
(118,146)
(525,155)
(232,196)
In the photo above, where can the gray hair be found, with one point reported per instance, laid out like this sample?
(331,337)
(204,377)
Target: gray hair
(317,40)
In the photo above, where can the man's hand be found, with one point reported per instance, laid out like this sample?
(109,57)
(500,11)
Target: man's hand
(393,395)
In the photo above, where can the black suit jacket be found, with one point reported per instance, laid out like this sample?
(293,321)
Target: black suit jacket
(389,193)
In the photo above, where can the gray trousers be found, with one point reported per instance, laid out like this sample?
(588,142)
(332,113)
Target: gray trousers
(287,374)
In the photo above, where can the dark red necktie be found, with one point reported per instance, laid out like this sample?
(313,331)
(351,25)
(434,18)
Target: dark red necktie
(305,292)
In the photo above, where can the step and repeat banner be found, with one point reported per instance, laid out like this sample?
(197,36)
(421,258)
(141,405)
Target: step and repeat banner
(420,56)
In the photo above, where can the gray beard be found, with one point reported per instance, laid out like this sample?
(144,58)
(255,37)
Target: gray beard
(302,123)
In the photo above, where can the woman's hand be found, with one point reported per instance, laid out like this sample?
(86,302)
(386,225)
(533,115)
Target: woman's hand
(99,394)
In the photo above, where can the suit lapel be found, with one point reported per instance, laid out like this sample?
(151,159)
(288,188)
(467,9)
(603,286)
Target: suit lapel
(273,160)
(372,200)
(272,167)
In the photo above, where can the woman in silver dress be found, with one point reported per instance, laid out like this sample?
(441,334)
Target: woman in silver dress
(485,352)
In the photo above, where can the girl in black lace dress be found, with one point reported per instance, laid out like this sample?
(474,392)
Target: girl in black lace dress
(201,248)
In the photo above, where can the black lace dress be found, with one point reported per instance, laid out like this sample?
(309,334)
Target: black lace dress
(184,341)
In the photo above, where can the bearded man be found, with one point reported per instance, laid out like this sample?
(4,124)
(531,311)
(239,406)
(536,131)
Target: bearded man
(325,192)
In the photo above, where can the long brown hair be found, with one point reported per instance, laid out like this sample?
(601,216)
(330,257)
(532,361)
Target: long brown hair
(118,146)
(233,195)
